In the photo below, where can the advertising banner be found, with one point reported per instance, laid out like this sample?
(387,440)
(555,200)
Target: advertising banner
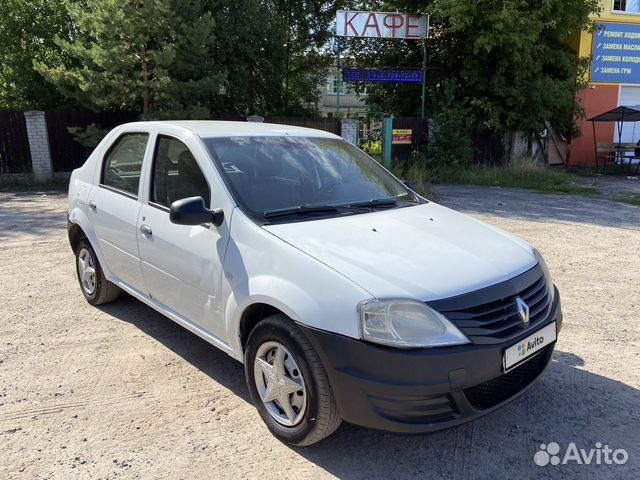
(616,53)
(401,136)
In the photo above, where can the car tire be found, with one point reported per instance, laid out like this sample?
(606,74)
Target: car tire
(315,413)
(93,284)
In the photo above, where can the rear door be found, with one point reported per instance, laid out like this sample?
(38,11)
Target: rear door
(114,206)
(182,265)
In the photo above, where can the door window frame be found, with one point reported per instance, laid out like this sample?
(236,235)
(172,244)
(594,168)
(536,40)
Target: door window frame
(103,164)
(152,171)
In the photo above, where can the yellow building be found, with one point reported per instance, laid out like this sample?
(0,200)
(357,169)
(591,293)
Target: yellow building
(614,76)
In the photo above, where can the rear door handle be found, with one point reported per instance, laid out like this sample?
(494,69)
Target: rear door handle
(92,204)
(146,229)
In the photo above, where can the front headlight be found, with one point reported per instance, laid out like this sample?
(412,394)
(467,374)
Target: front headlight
(406,324)
(547,275)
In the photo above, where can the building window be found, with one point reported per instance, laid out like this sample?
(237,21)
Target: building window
(627,6)
(346,88)
(332,88)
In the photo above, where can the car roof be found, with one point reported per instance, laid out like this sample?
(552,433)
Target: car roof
(212,128)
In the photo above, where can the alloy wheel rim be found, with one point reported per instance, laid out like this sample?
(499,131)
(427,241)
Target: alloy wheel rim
(280,384)
(87,271)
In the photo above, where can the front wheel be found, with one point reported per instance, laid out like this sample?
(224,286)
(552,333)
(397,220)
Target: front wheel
(288,383)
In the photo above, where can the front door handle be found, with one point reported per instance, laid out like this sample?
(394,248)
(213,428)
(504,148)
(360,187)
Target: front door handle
(146,229)
(92,204)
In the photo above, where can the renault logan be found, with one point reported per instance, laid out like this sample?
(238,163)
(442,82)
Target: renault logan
(346,295)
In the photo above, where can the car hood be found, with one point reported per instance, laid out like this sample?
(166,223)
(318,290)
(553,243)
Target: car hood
(425,252)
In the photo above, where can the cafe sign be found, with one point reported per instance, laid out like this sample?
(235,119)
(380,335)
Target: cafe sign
(358,24)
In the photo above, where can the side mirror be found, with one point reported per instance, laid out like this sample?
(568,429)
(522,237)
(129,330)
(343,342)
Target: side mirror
(192,211)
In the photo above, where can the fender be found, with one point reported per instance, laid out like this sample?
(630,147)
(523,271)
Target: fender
(78,217)
(284,295)
(262,268)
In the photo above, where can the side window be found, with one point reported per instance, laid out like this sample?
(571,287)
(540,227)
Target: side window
(123,163)
(176,174)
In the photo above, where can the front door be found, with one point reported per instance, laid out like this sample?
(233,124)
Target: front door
(182,265)
(114,207)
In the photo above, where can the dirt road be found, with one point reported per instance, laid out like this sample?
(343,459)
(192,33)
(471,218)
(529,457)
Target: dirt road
(122,392)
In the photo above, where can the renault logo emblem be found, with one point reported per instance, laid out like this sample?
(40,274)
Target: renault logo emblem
(523,310)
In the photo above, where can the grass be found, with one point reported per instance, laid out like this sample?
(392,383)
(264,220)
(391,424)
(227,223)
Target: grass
(631,200)
(416,174)
(523,174)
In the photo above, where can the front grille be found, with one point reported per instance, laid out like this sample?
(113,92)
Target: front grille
(490,315)
(414,408)
(499,389)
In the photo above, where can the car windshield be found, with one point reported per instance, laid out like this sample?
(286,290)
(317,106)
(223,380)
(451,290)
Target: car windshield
(288,176)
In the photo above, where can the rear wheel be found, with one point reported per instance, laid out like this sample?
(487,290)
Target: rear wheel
(288,383)
(95,287)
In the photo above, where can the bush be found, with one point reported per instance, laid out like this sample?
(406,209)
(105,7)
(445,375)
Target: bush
(450,142)
(90,136)
(373,148)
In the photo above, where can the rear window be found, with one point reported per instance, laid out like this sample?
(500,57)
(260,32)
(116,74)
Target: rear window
(123,163)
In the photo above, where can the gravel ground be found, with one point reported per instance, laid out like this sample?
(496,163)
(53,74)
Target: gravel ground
(121,392)
(615,187)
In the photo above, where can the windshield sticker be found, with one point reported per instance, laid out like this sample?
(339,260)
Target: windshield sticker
(230,168)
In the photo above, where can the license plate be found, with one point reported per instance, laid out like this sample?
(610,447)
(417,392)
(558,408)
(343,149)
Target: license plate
(524,349)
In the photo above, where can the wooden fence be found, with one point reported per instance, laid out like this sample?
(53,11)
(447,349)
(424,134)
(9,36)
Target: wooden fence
(327,124)
(320,123)
(15,155)
(66,153)
(487,149)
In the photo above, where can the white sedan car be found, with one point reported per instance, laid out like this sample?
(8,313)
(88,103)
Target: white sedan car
(346,295)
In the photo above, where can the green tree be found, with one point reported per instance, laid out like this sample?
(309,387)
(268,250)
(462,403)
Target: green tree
(307,28)
(507,63)
(153,56)
(274,53)
(27,32)
(250,48)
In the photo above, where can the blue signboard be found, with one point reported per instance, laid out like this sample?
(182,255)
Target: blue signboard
(616,53)
(401,76)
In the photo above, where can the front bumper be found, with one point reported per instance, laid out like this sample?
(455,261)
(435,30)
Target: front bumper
(424,390)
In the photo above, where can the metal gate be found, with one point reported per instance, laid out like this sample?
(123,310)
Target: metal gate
(409,137)
(403,137)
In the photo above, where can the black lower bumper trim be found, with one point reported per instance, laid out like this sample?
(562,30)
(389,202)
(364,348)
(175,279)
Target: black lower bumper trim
(423,390)
(492,392)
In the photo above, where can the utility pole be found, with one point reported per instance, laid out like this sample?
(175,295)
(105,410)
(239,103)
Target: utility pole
(424,78)
(338,81)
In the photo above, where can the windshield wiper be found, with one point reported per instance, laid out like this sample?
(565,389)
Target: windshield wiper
(367,206)
(385,202)
(304,209)
(378,202)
